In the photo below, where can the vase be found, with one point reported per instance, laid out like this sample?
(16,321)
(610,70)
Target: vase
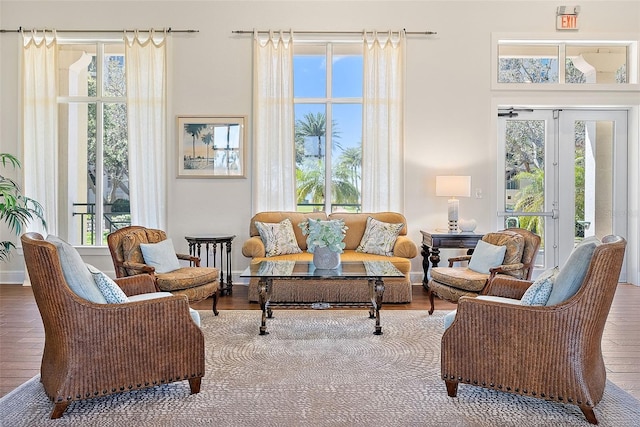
(467,225)
(325,259)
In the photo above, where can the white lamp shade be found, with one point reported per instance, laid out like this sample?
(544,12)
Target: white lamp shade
(453,186)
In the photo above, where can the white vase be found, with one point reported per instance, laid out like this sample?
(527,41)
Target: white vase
(467,225)
(325,259)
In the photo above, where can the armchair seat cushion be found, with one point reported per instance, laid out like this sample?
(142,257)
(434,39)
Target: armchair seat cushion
(153,295)
(460,278)
(187,277)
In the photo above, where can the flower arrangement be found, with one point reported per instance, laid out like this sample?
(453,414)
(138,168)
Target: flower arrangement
(321,233)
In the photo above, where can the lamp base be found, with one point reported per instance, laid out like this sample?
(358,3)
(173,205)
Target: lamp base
(453,226)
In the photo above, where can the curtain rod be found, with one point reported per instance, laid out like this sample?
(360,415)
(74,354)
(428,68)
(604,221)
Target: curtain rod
(426,33)
(169,30)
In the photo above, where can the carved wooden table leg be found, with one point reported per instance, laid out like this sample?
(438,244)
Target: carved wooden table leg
(377,291)
(264,294)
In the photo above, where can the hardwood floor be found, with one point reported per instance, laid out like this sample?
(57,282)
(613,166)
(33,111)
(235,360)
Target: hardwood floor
(22,333)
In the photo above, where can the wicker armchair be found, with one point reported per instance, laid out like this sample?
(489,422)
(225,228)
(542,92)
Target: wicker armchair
(196,282)
(450,283)
(548,352)
(92,350)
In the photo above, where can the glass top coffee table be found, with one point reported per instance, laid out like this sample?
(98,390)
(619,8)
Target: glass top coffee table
(372,271)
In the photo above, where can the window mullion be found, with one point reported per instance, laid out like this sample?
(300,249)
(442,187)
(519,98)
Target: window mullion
(99,212)
(328,132)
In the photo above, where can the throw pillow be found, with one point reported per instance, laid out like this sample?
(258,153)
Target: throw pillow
(160,255)
(109,289)
(486,256)
(379,237)
(75,272)
(572,273)
(539,291)
(278,238)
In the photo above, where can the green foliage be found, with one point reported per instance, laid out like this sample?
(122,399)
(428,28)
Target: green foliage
(321,233)
(16,210)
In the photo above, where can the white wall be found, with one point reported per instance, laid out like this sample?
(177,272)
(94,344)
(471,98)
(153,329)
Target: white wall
(450,107)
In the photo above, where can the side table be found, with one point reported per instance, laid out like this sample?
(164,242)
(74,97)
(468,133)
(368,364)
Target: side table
(195,243)
(433,241)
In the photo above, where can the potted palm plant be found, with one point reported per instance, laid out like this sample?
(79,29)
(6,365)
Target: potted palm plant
(324,241)
(16,209)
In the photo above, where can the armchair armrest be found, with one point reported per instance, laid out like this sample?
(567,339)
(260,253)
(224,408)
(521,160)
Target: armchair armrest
(405,248)
(254,248)
(138,284)
(460,258)
(192,259)
(143,268)
(503,269)
(507,286)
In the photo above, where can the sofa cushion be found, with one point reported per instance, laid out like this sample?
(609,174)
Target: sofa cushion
(109,289)
(295,218)
(539,291)
(357,224)
(486,256)
(572,273)
(379,237)
(75,271)
(278,238)
(162,256)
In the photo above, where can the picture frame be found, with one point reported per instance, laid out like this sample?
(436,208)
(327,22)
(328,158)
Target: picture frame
(211,146)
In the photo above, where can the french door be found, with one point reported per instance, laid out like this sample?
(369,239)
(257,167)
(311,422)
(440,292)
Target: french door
(565,176)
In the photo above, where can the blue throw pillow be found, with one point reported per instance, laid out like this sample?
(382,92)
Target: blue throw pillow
(573,271)
(75,271)
(486,256)
(160,255)
(110,289)
(539,291)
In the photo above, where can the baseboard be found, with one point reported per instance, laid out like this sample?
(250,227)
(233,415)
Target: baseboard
(12,277)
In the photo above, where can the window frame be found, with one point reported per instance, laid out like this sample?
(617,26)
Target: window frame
(328,101)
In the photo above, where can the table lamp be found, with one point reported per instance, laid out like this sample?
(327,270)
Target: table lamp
(452,187)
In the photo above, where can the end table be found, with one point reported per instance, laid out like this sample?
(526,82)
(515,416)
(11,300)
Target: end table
(195,243)
(433,241)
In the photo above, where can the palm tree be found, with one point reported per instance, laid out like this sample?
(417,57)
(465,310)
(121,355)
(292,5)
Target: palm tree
(16,209)
(314,125)
(350,163)
(311,182)
(194,130)
(208,139)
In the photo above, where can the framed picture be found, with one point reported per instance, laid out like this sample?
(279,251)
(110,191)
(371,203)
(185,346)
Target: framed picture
(211,146)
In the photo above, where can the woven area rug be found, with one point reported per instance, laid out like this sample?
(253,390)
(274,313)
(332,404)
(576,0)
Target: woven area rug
(317,368)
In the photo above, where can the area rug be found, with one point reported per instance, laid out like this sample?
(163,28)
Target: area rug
(316,368)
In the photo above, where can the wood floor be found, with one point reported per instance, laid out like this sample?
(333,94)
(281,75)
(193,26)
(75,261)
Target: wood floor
(22,334)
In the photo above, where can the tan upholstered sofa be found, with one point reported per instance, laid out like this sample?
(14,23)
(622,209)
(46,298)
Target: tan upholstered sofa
(290,291)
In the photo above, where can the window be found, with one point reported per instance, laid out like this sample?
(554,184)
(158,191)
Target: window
(328,125)
(564,62)
(92,118)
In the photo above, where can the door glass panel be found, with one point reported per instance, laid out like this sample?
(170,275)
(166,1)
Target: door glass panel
(525,175)
(310,71)
(346,152)
(593,178)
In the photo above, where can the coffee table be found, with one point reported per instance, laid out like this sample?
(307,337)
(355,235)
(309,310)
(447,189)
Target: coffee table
(372,271)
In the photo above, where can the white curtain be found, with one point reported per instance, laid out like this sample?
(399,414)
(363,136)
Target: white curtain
(273,127)
(145,59)
(383,134)
(40,125)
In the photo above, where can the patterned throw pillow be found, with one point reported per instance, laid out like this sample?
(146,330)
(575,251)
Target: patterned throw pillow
(110,289)
(278,238)
(539,291)
(379,237)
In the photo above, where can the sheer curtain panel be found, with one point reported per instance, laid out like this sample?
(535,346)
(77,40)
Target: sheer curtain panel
(273,128)
(145,60)
(383,128)
(40,125)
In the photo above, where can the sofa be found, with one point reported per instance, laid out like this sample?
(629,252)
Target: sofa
(349,291)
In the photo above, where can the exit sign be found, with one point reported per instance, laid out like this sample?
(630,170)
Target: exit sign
(567,22)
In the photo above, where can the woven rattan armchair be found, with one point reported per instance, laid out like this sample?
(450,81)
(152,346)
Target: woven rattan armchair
(455,281)
(548,352)
(197,283)
(92,350)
